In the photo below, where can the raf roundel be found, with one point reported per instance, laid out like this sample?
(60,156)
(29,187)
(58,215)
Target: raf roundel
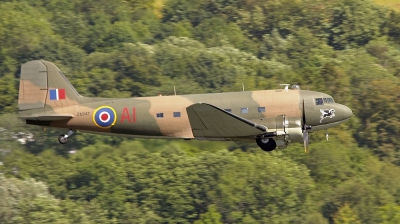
(104,117)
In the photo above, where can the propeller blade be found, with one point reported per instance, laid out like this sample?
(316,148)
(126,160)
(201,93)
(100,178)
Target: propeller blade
(305,128)
(304,116)
(305,140)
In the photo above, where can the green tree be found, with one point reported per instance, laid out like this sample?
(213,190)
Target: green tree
(215,30)
(22,28)
(390,214)
(264,188)
(345,215)
(28,202)
(355,23)
(211,216)
(380,122)
(393,26)
(134,67)
(178,29)
(8,93)
(387,54)
(304,52)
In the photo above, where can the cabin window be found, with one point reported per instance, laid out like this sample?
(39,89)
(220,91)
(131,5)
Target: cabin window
(319,101)
(261,109)
(160,115)
(228,110)
(325,100)
(244,110)
(177,114)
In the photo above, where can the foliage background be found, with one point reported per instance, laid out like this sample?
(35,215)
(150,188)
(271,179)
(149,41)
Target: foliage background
(347,48)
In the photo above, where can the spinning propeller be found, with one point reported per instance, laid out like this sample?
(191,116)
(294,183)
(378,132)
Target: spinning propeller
(305,127)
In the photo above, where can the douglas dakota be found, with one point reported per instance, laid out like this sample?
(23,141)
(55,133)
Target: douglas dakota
(271,118)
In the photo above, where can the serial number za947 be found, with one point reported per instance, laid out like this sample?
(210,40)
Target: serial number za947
(81,114)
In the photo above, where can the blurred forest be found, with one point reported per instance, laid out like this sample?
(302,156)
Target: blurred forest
(112,48)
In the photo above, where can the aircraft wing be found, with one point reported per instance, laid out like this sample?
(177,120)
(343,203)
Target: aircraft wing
(207,120)
(48,117)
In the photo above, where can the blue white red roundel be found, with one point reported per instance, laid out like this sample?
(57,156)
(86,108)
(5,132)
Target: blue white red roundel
(104,117)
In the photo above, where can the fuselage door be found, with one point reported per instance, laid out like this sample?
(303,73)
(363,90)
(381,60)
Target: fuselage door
(281,124)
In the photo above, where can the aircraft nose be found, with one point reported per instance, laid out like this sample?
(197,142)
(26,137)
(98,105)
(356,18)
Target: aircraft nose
(346,112)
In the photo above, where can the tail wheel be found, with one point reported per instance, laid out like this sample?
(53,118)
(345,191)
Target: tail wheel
(62,139)
(266,144)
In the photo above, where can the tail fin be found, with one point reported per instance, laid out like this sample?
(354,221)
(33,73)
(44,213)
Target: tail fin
(42,84)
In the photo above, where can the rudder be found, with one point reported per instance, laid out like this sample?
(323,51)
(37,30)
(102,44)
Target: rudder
(42,84)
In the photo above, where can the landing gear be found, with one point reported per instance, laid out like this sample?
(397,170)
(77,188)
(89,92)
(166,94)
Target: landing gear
(266,144)
(64,138)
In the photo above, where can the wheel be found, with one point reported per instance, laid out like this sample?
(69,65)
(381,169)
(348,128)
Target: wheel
(62,139)
(266,144)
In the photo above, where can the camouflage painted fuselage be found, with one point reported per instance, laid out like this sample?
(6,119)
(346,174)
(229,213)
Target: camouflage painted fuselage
(47,99)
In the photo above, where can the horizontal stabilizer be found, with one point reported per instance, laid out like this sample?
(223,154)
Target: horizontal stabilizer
(48,117)
(207,120)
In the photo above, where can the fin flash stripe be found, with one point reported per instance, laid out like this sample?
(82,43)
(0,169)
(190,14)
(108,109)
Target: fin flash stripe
(104,117)
(57,94)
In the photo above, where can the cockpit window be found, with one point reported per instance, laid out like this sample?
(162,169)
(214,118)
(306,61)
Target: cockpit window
(319,101)
(328,100)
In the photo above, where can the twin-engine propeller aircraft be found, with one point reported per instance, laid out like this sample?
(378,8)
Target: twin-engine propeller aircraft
(271,118)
